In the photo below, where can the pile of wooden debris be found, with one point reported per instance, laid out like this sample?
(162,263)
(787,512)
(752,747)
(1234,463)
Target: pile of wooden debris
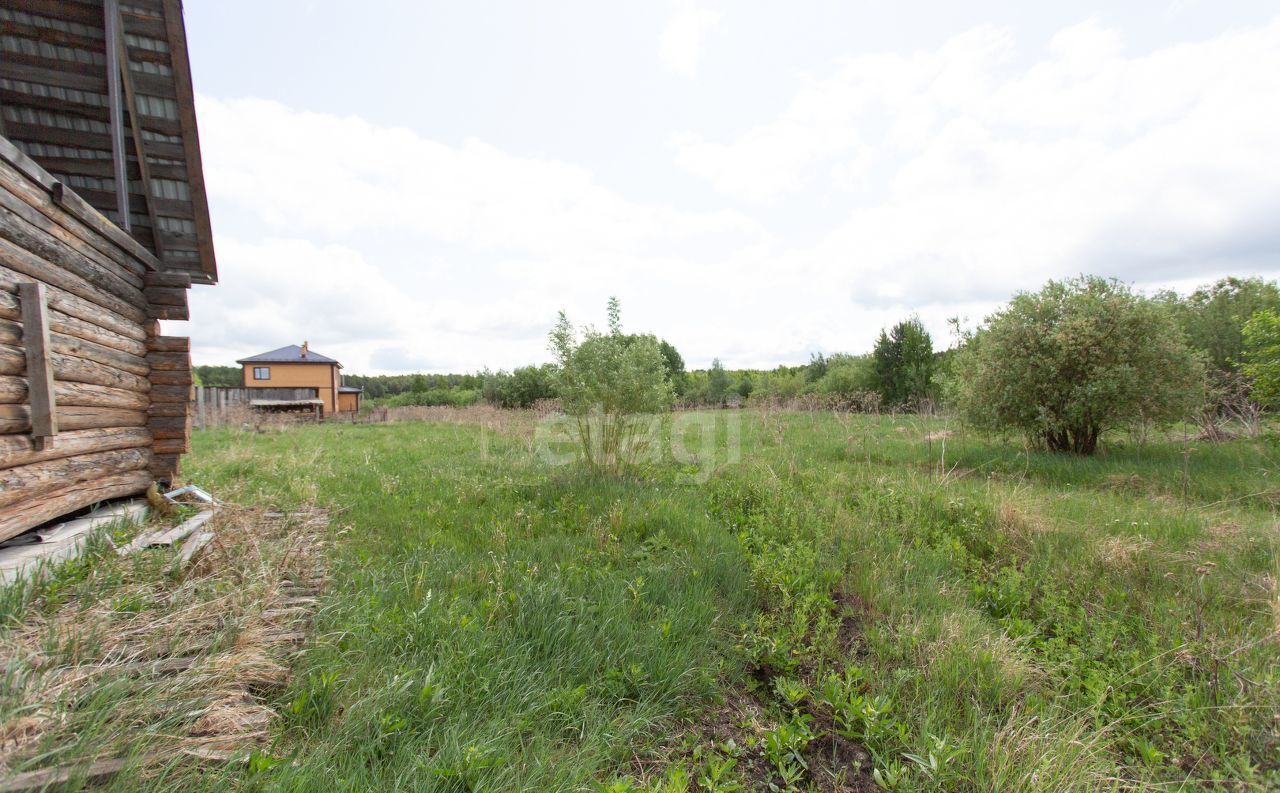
(142,657)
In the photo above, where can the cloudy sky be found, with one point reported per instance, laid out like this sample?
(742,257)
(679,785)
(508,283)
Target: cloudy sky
(421,186)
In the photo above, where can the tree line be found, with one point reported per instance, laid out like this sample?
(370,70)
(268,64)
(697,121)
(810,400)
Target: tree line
(1063,365)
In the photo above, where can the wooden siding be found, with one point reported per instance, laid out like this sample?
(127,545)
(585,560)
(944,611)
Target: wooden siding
(102,115)
(118,395)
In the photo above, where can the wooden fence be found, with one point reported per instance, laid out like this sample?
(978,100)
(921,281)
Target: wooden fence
(216,406)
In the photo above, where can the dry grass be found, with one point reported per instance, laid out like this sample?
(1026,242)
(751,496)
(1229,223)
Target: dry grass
(140,658)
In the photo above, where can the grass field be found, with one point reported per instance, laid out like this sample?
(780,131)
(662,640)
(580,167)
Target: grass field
(817,602)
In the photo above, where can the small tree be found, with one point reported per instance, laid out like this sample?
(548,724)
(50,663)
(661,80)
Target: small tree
(903,363)
(717,383)
(674,364)
(1262,356)
(608,382)
(1074,360)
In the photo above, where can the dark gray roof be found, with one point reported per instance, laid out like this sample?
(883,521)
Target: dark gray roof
(349,389)
(290,354)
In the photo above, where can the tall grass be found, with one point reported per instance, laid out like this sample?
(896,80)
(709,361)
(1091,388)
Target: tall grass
(1043,622)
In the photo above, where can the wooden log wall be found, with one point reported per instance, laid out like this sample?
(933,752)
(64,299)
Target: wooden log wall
(115,414)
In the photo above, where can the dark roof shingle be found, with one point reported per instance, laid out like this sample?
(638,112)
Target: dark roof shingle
(290,354)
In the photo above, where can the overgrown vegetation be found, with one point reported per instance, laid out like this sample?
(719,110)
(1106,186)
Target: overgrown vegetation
(851,604)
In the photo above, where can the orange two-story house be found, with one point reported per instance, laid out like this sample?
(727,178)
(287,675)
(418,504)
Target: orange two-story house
(300,367)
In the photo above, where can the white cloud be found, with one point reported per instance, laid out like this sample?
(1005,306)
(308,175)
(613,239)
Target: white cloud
(680,43)
(936,181)
(978,177)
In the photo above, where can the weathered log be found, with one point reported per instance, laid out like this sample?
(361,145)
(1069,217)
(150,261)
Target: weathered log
(71,326)
(80,370)
(160,311)
(171,445)
(161,392)
(11,333)
(40,235)
(19,450)
(17,418)
(37,188)
(170,433)
(172,377)
(83,246)
(20,260)
(169,279)
(165,466)
(169,409)
(169,344)
(166,295)
(31,481)
(75,306)
(169,361)
(28,514)
(13,390)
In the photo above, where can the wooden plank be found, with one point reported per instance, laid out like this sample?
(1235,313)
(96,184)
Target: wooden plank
(13,390)
(77,207)
(18,450)
(144,167)
(75,369)
(55,778)
(40,395)
(17,418)
(83,310)
(30,481)
(185,96)
(31,513)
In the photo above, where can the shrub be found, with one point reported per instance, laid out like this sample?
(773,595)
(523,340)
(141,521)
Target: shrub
(522,388)
(1262,356)
(1075,360)
(607,382)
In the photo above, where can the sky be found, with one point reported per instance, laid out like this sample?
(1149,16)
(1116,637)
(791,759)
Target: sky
(412,185)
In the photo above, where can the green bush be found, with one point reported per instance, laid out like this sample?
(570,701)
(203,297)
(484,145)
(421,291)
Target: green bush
(522,387)
(607,383)
(1262,356)
(1077,359)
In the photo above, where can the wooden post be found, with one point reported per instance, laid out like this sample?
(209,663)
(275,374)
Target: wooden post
(35,338)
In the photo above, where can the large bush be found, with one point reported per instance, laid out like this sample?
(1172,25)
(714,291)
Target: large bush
(1075,360)
(609,383)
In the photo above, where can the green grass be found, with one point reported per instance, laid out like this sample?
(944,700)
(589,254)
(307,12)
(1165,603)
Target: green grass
(978,617)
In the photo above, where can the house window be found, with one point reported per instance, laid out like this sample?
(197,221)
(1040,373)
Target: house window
(262,373)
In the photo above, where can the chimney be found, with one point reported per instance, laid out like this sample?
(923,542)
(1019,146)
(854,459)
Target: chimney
(304,349)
